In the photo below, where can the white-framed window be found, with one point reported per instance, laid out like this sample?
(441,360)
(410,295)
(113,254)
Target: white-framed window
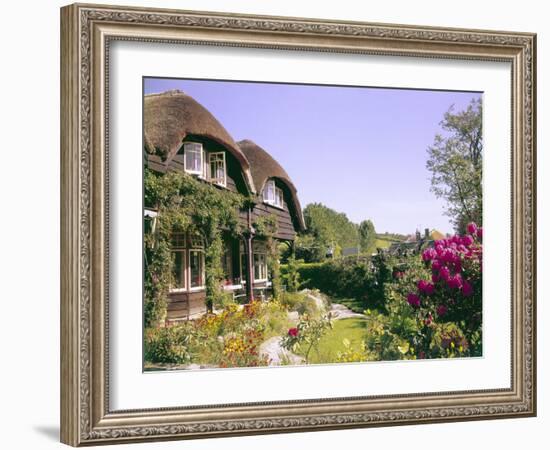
(259,259)
(260,267)
(218,174)
(193,158)
(179,267)
(197,272)
(279,202)
(196,269)
(273,195)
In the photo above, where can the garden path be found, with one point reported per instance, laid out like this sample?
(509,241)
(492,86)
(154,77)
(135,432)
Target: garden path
(279,356)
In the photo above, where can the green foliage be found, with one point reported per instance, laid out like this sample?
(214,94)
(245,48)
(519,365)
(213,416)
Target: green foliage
(301,303)
(326,229)
(367,236)
(291,275)
(455,161)
(358,278)
(170,345)
(306,335)
(185,204)
(266,227)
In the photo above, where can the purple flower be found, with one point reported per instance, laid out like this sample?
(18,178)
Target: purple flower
(455,282)
(441,310)
(425,287)
(479,233)
(413,300)
(436,265)
(444,273)
(467,289)
(435,277)
(429,254)
(467,240)
(472,228)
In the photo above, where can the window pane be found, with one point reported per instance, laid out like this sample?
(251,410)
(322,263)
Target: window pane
(178,240)
(196,263)
(227,264)
(196,241)
(257,274)
(217,168)
(269,192)
(193,157)
(260,268)
(179,270)
(279,197)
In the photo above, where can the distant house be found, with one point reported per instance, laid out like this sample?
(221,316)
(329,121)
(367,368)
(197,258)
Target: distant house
(415,242)
(182,135)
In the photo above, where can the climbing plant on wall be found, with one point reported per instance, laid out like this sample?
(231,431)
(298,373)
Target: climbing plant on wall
(266,228)
(185,204)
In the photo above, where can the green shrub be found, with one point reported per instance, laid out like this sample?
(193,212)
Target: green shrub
(359,278)
(300,302)
(169,345)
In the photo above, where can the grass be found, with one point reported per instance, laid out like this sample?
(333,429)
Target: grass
(352,329)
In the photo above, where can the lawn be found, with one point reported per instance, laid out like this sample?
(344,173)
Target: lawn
(352,329)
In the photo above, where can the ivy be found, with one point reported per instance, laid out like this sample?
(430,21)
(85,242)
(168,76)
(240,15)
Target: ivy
(185,204)
(266,227)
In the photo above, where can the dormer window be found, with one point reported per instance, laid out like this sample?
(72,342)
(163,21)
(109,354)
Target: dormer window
(273,195)
(217,168)
(193,158)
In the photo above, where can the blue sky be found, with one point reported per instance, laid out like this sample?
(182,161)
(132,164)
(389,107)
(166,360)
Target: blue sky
(358,150)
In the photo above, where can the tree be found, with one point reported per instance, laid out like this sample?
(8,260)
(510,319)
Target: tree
(367,236)
(326,229)
(455,161)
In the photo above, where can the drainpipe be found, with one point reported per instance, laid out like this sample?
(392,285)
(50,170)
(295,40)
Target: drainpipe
(249,249)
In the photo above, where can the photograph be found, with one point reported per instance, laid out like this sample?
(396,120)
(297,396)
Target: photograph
(291,224)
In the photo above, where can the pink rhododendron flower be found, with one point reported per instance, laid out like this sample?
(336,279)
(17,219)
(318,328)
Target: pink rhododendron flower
(441,310)
(435,277)
(293,332)
(429,254)
(425,287)
(455,282)
(467,240)
(445,273)
(479,233)
(467,289)
(436,265)
(413,300)
(471,228)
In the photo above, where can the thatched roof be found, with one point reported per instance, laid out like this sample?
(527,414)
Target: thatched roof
(262,167)
(170,116)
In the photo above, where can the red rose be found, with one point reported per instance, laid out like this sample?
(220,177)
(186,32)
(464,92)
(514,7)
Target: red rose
(293,332)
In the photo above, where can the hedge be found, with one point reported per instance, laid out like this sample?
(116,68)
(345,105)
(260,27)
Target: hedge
(345,278)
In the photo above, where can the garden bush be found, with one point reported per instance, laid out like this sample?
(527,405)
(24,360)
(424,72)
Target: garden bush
(300,302)
(169,344)
(353,277)
(434,303)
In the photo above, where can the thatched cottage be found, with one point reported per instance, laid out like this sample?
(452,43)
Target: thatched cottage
(180,134)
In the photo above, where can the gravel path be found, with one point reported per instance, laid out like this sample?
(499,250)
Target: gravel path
(277,354)
(339,311)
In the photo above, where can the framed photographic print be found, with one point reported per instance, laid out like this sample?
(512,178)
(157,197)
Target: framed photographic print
(275,224)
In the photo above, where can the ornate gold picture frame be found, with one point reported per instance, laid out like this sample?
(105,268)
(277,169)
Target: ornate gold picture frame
(87,33)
